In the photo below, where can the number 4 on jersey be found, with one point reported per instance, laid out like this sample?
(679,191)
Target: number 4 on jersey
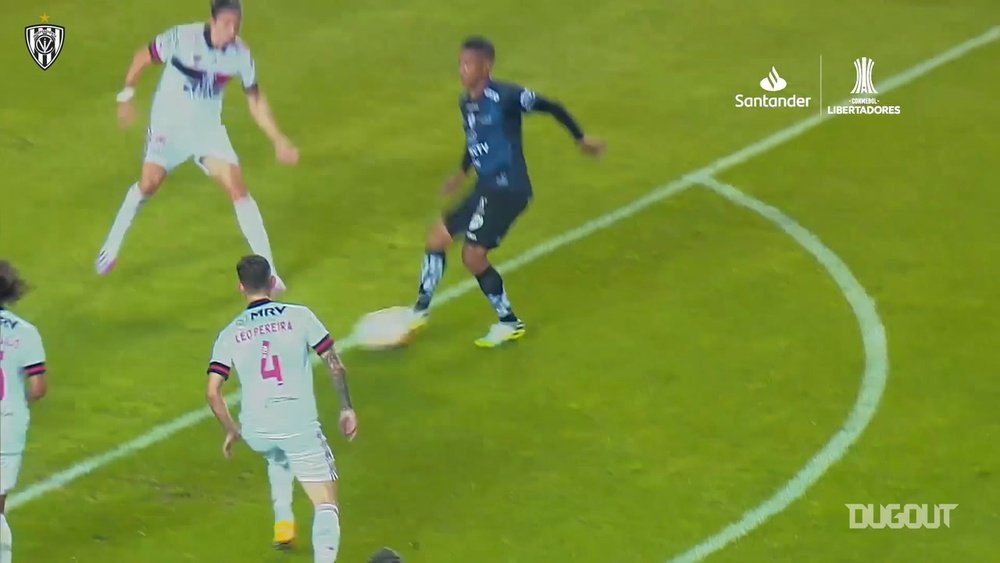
(272,371)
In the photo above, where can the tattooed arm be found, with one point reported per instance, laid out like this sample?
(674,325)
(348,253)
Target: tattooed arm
(327,352)
(338,373)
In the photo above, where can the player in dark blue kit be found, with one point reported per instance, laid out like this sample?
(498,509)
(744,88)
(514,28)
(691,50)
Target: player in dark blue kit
(491,116)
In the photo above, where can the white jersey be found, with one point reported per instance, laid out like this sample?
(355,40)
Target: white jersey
(194,76)
(269,345)
(21,356)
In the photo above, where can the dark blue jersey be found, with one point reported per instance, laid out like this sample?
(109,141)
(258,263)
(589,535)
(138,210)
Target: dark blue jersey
(493,138)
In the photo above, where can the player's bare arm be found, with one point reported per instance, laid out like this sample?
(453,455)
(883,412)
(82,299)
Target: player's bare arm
(260,109)
(126,109)
(221,411)
(589,145)
(37,387)
(455,181)
(338,373)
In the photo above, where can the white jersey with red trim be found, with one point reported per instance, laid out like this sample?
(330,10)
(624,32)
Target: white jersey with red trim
(269,346)
(21,356)
(194,76)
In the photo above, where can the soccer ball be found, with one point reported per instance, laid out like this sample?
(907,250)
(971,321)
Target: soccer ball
(383,329)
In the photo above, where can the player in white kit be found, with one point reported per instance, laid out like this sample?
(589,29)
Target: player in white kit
(269,346)
(185,122)
(22,379)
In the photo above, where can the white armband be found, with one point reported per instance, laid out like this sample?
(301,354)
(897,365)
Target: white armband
(125,95)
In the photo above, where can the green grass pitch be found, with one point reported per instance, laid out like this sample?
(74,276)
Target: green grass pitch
(680,366)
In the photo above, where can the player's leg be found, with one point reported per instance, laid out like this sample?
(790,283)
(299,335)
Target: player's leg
(313,465)
(215,155)
(163,151)
(6,538)
(152,177)
(489,224)
(326,519)
(10,465)
(431,270)
(508,326)
(281,480)
(439,238)
(227,174)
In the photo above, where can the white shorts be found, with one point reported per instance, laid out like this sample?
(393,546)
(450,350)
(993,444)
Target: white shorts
(13,434)
(10,465)
(170,148)
(306,453)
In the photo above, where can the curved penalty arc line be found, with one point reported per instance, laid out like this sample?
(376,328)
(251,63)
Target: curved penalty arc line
(873,381)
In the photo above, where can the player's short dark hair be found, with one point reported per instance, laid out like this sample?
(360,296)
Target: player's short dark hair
(254,272)
(222,5)
(12,287)
(385,555)
(481,45)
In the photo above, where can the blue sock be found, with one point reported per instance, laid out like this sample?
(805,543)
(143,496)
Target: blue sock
(492,285)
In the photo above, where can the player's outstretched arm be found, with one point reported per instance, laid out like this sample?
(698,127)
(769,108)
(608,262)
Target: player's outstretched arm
(221,411)
(126,110)
(140,60)
(338,373)
(260,109)
(591,146)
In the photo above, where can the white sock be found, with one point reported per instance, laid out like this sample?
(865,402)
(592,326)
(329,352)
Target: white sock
(326,533)
(280,476)
(126,213)
(6,541)
(252,225)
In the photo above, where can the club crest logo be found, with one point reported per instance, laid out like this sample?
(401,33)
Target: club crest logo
(45,42)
